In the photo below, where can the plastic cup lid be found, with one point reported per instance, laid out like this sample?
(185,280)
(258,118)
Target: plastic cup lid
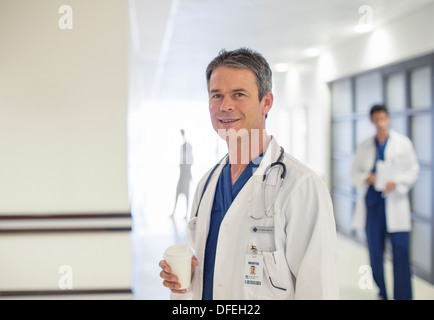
(178,252)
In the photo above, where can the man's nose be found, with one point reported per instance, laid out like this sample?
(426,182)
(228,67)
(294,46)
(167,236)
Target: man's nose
(227,104)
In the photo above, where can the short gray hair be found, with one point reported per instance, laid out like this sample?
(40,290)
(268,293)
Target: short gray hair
(244,58)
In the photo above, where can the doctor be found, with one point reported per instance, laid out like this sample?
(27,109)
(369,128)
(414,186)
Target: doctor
(385,209)
(283,226)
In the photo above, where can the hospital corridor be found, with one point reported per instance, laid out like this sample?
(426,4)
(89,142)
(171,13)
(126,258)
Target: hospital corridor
(123,129)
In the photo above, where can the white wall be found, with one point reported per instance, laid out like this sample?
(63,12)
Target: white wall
(63,143)
(402,39)
(63,100)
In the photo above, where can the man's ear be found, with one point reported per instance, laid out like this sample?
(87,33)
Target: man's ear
(268,102)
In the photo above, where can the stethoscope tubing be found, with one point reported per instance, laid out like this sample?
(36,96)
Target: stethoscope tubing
(265,175)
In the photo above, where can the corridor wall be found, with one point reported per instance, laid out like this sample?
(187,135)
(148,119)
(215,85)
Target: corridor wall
(64,211)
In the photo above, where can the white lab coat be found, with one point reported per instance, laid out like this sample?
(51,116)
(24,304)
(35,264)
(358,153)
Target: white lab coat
(399,152)
(303,244)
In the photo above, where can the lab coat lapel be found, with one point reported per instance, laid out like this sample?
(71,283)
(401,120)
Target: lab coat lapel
(208,197)
(390,148)
(270,156)
(370,154)
(204,214)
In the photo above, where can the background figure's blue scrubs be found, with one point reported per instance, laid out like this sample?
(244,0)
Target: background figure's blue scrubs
(376,231)
(224,196)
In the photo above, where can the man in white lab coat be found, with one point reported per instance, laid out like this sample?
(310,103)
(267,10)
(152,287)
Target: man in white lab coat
(385,168)
(259,206)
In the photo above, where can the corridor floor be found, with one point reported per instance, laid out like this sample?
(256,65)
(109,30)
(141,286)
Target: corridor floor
(353,269)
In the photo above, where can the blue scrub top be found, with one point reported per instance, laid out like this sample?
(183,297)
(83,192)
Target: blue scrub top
(224,196)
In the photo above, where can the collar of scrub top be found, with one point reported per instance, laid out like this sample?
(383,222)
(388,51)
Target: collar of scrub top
(273,152)
(272,155)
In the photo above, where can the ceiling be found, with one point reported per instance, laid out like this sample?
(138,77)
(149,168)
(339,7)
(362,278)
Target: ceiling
(174,40)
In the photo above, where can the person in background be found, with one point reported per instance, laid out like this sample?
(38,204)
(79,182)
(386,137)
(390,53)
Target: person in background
(385,168)
(185,164)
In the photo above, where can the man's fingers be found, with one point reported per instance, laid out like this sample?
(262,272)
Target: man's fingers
(194,263)
(168,276)
(179,291)
(163,265)
(171,280)
(171,285)
(174,286)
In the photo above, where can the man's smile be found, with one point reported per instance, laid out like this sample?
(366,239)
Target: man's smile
(228,120)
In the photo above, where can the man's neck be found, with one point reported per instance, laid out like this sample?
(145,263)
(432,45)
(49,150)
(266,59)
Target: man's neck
(244,150)
(382,136)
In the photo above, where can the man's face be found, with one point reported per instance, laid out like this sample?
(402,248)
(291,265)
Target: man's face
(234,100)
(381,121)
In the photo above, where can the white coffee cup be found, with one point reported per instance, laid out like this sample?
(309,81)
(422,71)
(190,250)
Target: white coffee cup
(178,257)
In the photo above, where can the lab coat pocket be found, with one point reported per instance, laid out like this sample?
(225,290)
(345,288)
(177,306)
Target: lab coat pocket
(277,277)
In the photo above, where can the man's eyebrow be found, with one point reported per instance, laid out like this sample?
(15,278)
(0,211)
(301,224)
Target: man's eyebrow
(234,91)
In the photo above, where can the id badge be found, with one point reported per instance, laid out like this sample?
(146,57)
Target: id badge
(253,270)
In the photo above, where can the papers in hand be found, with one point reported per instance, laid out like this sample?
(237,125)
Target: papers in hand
(385,172)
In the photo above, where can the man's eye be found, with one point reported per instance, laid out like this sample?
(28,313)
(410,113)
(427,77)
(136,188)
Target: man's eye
(216,96)
(239,95)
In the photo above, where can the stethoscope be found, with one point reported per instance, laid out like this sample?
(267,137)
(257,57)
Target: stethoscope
(264,185)
(265,175)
